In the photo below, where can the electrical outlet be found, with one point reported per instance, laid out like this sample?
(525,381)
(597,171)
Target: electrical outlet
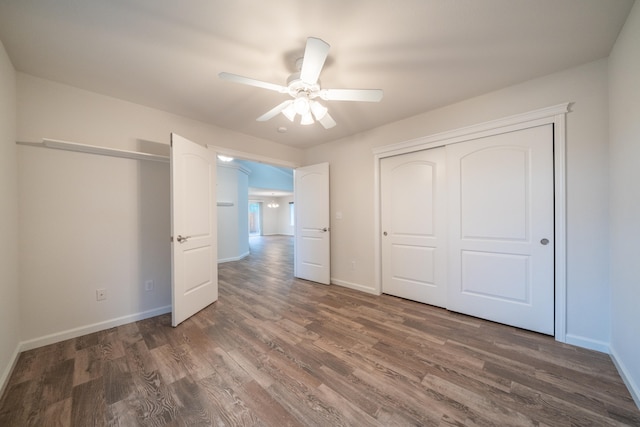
(148,285)
(101,294)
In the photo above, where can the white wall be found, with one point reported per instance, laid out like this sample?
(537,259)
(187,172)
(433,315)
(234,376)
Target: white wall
(284,218)
(90,221)
(352,184)
(275,220)
(624,134)
(233,221)
(9,290)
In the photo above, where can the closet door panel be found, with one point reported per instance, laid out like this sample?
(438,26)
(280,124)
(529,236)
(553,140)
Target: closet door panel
(500,204)
(414,227)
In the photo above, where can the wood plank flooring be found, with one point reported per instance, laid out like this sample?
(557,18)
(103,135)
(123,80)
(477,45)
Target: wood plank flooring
(277,351)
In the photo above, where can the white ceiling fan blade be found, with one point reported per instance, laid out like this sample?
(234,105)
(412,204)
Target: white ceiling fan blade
(327,121)
(252,82)
(315,53)
(274,111)
(366,95)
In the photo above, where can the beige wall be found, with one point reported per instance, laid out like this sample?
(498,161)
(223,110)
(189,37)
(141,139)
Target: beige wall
(91,221)
(9,295)
(624,87)
(352,186)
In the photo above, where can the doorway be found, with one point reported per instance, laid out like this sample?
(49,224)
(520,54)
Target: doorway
(262,194)
(255,218)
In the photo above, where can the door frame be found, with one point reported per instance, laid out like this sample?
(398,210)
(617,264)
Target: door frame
(555,115)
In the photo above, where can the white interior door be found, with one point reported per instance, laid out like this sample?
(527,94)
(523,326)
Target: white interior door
(312,234)
(194,272)
(414,230)
(501,249)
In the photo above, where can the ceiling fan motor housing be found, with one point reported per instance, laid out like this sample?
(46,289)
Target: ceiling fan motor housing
(295,86)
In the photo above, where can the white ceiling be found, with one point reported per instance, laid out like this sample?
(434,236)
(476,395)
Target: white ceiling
(424,54)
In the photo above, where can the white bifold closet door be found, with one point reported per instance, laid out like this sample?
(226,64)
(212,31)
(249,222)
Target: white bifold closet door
(480,243)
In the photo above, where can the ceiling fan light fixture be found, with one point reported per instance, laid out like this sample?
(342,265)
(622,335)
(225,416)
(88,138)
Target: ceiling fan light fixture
(289,112)
(318,110)
(301,105)
(307,119)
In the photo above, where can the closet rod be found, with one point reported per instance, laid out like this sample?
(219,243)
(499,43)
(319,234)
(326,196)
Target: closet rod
(93,149)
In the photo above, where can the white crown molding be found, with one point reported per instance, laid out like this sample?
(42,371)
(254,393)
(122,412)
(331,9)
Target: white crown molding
(534,118)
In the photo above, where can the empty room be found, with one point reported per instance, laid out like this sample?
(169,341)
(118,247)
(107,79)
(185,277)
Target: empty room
(319,213)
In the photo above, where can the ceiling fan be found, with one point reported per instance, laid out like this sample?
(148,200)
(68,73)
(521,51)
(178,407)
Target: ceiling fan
(304,88)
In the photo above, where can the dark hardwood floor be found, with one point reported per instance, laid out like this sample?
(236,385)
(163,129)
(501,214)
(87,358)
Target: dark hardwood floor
(277,351)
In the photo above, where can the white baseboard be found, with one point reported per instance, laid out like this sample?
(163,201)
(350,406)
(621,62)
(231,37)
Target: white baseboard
(4,378)
(88,329)
(634,388)
(589,343)
(355,286)
(238,258)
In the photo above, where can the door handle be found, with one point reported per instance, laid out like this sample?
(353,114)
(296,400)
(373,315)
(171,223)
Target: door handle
(544,242)
(182,239)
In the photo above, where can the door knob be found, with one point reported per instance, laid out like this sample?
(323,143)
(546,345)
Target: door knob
(384,233)
(544,241)
(182,239)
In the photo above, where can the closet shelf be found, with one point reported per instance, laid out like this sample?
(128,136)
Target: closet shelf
(92,149)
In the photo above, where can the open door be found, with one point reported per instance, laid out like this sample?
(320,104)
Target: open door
(312,234)
(194,259)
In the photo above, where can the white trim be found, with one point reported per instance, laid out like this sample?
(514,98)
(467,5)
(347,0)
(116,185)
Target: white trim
(233,165)
(494,127)
(589,343)
(634,388)
(4,378)
(94,149)
(560,224)
(354,286)
(236,258)
(555,115)
(94,327)
(252,157)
